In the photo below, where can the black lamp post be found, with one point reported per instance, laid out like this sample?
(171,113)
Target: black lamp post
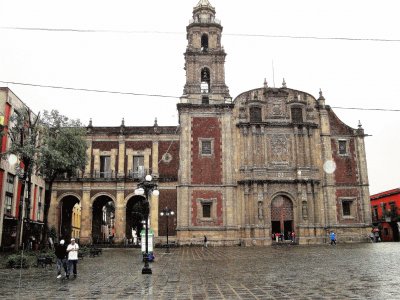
(167,212)
(147,188)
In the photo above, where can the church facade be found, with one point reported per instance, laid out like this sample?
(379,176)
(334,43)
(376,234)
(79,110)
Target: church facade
(273,160)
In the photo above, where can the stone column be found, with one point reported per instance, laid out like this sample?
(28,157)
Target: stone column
(89,157)
(53,217)
(121,157)
(154,158)
(86,216)
(96,163)
(113,162)
(120,214)
(306,148)
(363,177)
(246,204)
(154,213)
(296,145)
(147,153)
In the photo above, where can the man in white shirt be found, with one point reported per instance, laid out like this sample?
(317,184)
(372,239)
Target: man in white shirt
(72,251)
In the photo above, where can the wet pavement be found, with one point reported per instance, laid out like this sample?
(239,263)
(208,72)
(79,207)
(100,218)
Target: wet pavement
(345,271)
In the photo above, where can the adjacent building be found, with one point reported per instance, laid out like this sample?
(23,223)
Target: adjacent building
(11,205)
(385,209)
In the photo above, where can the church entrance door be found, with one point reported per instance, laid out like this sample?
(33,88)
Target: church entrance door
(282,216)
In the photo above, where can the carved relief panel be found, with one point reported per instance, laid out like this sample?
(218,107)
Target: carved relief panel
(276,108)
(279,149)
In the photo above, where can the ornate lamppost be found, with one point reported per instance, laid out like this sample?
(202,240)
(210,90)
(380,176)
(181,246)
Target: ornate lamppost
(147,188)
(167,212)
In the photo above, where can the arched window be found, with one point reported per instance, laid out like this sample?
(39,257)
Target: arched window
(204,42)
(205,81)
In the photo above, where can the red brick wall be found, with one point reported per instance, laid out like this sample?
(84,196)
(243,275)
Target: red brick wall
(167,198)
(168,169)
(206,169)
(337,126)
(346,165)
(218,221)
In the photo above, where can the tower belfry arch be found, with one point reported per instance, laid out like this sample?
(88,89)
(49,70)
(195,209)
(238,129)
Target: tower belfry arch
(205,58)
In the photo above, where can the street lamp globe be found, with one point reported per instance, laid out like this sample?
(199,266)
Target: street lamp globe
(156,192)
(12,159)
(139,191)
(148,177)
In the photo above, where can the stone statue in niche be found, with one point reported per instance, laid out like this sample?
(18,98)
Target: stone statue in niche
(255,96)
(280,149)
(242,113)
(260,210)
(304,210)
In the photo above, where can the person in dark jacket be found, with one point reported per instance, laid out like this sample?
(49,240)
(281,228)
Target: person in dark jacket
(61,254)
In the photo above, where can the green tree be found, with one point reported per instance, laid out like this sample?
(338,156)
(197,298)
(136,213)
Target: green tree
(24,132)
(63,151)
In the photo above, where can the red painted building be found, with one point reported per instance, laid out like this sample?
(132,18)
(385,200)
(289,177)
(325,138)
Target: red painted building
(385,208)
(11,207)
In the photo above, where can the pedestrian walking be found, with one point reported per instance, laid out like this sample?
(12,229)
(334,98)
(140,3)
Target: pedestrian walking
(72,251)
(61,254)
(333,238)
(293,237)
(205,242)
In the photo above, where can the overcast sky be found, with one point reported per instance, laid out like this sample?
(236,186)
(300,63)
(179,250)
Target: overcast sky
(139,46)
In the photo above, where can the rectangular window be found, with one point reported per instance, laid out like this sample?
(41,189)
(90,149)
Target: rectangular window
(393,209)
(39,209)
(206,147)
(255,114)
(205,100)
(9,194)
(297,114)
(10,183)
(375,212)
(8,204)
(138,166)
(346,205)
(105,166)
(206,210)
(342,147)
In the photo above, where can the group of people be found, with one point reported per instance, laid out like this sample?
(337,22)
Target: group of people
(67,258)
(280,236)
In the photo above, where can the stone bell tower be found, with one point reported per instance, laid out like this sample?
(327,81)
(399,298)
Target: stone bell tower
(206,187)
(204,58)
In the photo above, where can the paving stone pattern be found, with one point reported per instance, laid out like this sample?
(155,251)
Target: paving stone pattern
(345,271)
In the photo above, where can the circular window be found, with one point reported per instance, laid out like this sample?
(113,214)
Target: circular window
(167,157)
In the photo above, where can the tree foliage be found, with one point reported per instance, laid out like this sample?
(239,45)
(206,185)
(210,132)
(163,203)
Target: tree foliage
(24,133)
(63,147)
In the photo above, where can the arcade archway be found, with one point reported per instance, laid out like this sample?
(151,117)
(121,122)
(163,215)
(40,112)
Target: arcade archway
(103,220)
(282,216)
(135,212)
(70,217)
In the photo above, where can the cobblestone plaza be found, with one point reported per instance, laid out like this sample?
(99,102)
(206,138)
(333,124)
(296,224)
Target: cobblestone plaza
(345,271)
